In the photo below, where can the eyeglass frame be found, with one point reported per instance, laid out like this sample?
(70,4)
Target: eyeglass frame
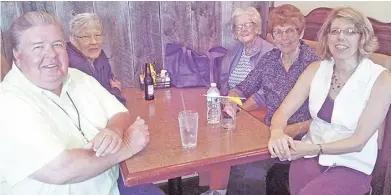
(344,31)
(285,31)
(248,25)
(87,39)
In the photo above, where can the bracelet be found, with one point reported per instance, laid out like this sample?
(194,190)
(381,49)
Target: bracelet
(320,149)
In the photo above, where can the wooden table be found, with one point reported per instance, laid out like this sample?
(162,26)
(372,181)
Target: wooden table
(217,149)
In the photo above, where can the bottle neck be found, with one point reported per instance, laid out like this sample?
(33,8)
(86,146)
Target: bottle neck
(147,70)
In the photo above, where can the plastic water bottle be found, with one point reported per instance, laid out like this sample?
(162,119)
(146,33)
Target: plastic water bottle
(213,105)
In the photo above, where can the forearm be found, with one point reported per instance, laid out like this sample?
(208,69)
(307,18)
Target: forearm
(244,89)
(251,84)
(77,165)
(250,104)
(347,145)
(295,129)
(278,123)
(119,123)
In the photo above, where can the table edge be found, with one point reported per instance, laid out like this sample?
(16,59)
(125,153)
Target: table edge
(189,168)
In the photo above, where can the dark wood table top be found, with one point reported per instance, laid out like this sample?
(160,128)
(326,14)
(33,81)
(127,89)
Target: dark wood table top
(164,157)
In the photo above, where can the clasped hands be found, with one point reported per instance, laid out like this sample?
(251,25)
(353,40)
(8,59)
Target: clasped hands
(107,141)
(285,148)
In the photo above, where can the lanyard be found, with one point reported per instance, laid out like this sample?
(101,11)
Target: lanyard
(78,115)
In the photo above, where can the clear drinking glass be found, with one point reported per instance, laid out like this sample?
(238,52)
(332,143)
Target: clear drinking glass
(188,127)
(228,114)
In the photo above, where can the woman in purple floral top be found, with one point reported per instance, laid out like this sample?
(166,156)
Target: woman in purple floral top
(278,70)
(274,76)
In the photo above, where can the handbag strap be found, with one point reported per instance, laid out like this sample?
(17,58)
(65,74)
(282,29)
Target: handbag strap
(212,54)
(193,64)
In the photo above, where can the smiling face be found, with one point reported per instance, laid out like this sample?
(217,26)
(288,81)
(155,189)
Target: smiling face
(89,40)
(245,29)
(41,56)
(343,39)
(286,38)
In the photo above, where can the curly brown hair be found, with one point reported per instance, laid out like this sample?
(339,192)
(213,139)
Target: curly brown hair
(286,14)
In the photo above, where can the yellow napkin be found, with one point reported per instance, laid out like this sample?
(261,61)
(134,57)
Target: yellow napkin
(236,100)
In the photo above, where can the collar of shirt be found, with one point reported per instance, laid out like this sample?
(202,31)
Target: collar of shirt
(258,45)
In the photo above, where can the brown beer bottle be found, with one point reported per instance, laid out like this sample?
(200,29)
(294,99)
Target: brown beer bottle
(148,84)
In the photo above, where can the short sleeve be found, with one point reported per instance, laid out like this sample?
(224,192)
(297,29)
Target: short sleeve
(27,141)
(109,102)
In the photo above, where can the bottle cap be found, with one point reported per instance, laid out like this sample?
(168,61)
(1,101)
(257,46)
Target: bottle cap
(213,84)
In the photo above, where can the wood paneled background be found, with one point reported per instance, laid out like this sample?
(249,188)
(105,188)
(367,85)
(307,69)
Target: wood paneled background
(136,32)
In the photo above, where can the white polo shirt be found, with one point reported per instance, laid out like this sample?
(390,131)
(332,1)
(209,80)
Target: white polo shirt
(35,128)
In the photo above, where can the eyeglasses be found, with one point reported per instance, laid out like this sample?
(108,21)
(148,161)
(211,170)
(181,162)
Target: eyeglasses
(347,32)
(247,25)
(289,32)
(89,38)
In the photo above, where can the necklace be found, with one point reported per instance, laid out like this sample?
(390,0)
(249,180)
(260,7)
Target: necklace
(335,84)
(78,115)
(338,84)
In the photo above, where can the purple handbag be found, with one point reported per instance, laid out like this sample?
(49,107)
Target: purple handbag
(190,69)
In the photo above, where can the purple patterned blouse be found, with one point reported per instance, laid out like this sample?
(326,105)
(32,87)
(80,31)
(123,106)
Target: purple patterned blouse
(271,78)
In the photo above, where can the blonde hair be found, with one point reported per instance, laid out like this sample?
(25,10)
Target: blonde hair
(28,20)
(78,21)
(250,11)
(368,42)
(286,14)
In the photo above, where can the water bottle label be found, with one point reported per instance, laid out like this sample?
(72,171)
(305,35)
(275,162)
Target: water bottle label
(150,89)
(213,100)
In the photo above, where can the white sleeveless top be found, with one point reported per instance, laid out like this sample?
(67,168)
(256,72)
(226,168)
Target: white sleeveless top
(348,107)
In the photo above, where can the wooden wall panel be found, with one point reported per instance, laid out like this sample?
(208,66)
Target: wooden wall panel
(206,22)
(66,9)
(175,23)
(136,32)
(9,12)
(47,6)
(117,43)
(146,37)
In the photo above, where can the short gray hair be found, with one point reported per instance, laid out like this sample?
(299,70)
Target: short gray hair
(252,12)
(79,20)
(28,20)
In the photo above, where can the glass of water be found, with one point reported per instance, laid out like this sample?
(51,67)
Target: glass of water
(228,114)
(188,127)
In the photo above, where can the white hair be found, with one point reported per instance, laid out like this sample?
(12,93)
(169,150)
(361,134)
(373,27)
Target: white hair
(78,21)
(28,20)
(250,11)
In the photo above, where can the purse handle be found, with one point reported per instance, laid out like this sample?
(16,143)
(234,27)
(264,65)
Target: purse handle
(212,54)
(193,64)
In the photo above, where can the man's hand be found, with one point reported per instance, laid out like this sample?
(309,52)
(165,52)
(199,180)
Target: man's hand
(136,137)
(105,142)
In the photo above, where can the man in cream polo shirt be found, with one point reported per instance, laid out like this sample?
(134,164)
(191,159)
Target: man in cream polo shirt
(61,132)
